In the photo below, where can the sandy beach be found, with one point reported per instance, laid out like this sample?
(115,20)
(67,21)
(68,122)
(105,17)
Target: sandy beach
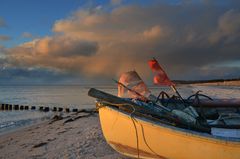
(77,135)
(73,136)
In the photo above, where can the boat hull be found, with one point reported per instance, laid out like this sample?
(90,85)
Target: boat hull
(143,138)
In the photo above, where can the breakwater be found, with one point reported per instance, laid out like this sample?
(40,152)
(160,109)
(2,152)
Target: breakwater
(17,107)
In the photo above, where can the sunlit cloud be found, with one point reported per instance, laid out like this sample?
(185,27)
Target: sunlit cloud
(2,22)
(5,38)
(185,38)
(116,2)
(27,35)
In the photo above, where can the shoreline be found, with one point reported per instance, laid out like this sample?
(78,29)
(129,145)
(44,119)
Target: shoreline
(59,138)
(31,122)
(222,83)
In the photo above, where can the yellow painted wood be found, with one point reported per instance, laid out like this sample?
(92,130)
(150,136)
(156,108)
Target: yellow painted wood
(159,141)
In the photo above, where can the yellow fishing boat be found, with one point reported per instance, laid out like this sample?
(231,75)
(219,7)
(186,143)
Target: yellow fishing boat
(140,137)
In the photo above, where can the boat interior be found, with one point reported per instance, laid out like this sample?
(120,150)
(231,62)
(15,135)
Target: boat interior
(223,122)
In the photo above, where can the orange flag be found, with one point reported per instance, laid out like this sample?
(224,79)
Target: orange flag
(160,77)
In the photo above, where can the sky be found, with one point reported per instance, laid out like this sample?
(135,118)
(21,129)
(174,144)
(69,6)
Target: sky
(91,42)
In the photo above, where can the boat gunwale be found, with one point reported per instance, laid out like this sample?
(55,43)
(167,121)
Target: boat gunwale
(185,132)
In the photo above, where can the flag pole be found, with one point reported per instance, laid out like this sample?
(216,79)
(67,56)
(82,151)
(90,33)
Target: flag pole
(176,91)
(172,85)
(145,98)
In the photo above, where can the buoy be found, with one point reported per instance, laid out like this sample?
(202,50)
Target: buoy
(75,110)
(67,110)
(21,107)
(16,107)
(26,107)
(60,109)
(46,109)
(33,108)
(41,108)
(54,109)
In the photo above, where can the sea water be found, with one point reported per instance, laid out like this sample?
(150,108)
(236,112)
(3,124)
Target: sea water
(76,97)
(47,96)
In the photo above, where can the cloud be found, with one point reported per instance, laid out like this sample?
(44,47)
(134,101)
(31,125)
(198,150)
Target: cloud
(228,27)
(59,53)
(4,38)
(153,32)
(63,46)
(13,75)
(2,22)
(27,35)
(116,2)
(184,37)
(2,50)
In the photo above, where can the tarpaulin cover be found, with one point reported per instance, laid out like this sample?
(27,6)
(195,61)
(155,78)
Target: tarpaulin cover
(133,81)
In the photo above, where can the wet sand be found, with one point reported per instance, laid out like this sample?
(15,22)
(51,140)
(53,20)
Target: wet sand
(66,138)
